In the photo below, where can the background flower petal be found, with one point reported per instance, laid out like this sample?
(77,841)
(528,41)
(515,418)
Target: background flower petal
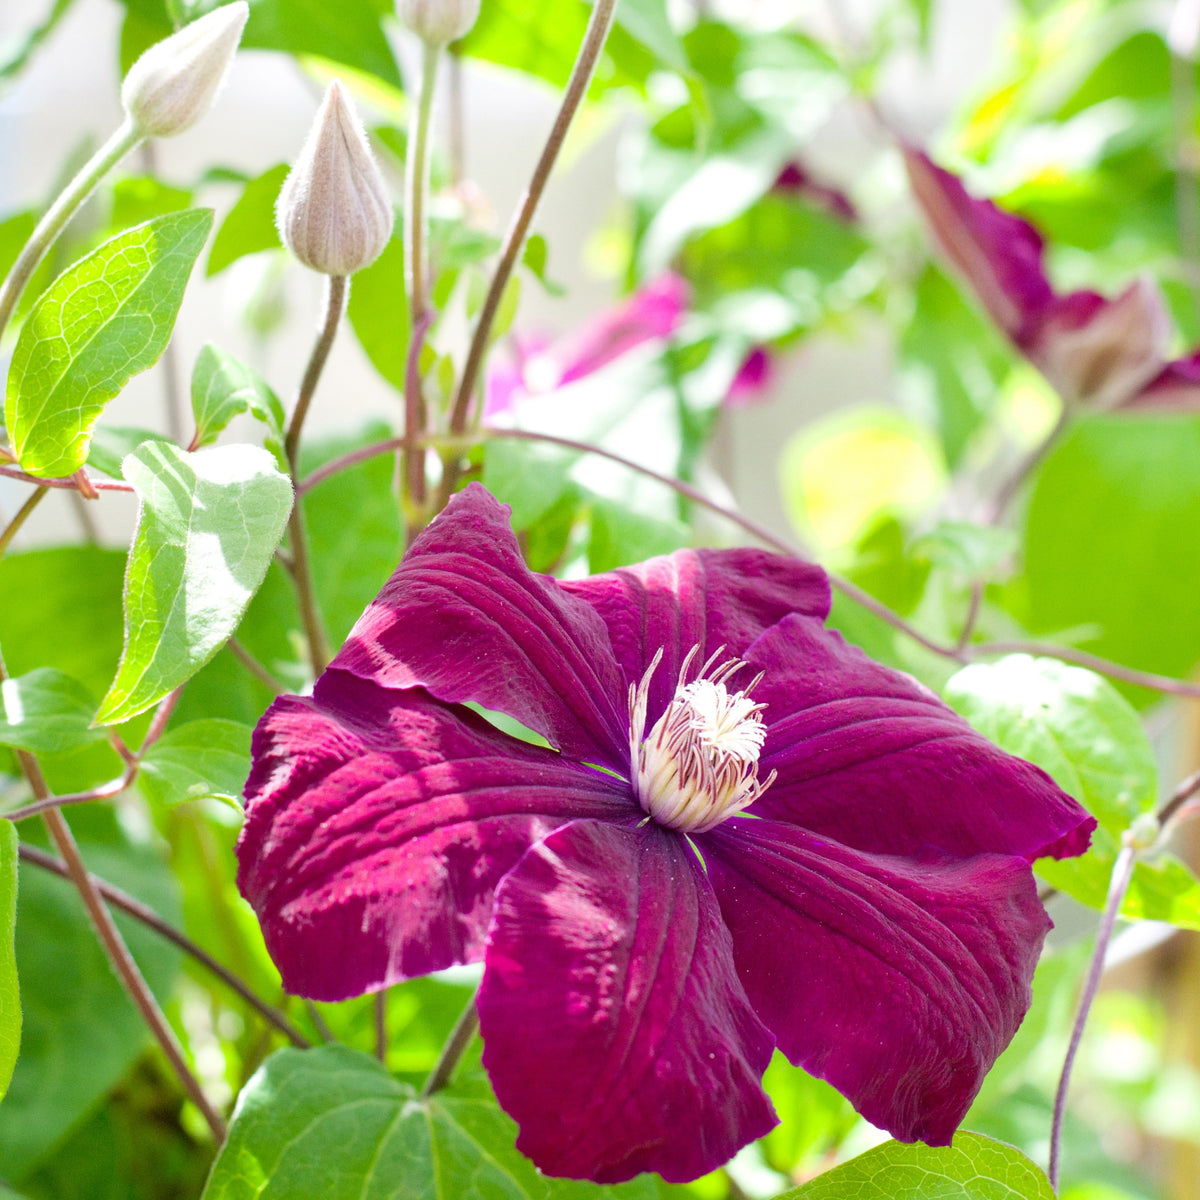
(615,1030)
(898,981)
(709,598)
(465,618)
(869,757)
(378,825)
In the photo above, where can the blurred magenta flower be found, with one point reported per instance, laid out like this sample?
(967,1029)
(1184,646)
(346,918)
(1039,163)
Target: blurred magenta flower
(538,365)
(646,942)
(795,179)
(1105,353)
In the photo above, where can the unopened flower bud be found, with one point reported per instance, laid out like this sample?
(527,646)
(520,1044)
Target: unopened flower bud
(174,83)
(334,213)
(438,21)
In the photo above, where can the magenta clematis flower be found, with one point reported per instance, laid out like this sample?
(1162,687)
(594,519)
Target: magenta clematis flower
(1106,353)
(745,834)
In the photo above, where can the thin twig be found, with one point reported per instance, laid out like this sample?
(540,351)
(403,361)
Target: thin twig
(972,653)
(973,607)
(598,28)
(118,953)
(1179,797)
(1118,885)
(69,483)
(456,1045)
(14,526)
(301,571)
(997,510)
(381,1036)
(255,667)
(151,919)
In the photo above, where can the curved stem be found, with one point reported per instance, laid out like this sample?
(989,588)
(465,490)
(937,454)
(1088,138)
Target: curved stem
(601,21)
(118,953)
(1008,490)
(1118,885)
(23,512)
(301,572)
(148,917)
(456,1045)
(59,213)
(255,667)
(1179,797)
(1103,666)
(72,483)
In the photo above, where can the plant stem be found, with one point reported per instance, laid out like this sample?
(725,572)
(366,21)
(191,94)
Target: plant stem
(417,283)
(59,213)
(973,653)
(14,526)
(1118,885)
(1187,166)
(1182,794)
(381,1038)
(118,953)
(598,28)
(71,483)
(255,667)
(151,919)
(1007,492)
(456,1045)
(301,572)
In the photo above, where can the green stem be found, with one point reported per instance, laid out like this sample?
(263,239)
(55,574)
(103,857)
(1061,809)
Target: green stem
(59,213)
(23,512)
(456,1045)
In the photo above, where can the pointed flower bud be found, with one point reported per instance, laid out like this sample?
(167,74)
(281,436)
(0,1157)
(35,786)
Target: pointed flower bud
(174,83)
(438,21)
(334,213)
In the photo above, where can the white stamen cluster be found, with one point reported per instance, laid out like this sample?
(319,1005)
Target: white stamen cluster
(699,763)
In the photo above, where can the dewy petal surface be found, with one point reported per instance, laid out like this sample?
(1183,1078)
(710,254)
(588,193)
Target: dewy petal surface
(615,1029)
(378,825)
(464,618)
(869,757)
(897,980)
(705,598)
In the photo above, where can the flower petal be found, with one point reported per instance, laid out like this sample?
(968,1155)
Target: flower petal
(868,756)
(615,1030)
(1102,352)
(464,618)
(378,825)
(999,254)
(705,598)
(897,980)
(1175,387)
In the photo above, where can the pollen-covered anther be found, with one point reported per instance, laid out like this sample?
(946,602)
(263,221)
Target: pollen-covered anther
(699,763)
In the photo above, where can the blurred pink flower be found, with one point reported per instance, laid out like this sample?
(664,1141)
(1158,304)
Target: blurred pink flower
(1106,353)
(795,179)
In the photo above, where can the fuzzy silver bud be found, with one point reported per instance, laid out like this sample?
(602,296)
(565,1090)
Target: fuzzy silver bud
(438,21)
(174,83)
(334,212)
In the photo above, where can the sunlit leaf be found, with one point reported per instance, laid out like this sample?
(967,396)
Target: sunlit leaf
(223,388)
(46,711)
(198,760)
(208,526)
(10,995)
(101,322)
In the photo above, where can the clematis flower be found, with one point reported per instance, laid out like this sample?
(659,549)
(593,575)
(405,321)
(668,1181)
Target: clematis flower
(743,834)
(1106,353)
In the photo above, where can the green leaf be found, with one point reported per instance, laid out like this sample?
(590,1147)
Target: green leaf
(378,313)
(81,1032)
(249,225)
(46,712)
(536,257)
(647,21)
(348,32)
(971,551)
(973,1168)
(208,758)
(208,525)
(18,51)
(223,388)
(1071,723)
(10,994)
(1114,510)
(332,1122)
(111,444)
(62,608)
(101,322)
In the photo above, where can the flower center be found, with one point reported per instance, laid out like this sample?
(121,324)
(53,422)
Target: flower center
(699,763)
